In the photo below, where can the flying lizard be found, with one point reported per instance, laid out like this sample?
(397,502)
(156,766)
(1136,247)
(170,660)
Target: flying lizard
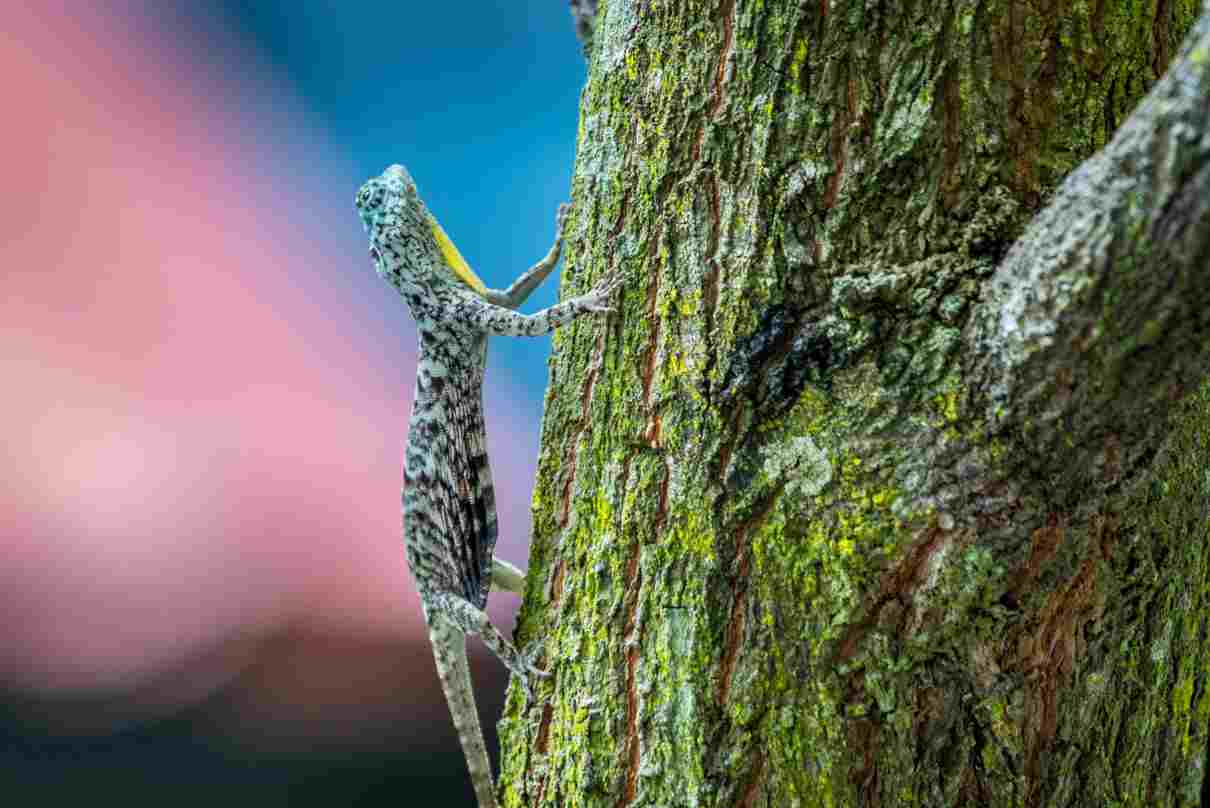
(449,509)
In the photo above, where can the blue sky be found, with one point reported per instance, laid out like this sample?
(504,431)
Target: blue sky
(478,100)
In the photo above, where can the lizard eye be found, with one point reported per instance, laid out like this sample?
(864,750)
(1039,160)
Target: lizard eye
(370,197)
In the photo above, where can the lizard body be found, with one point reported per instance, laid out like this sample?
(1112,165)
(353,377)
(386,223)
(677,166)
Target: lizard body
(449,512)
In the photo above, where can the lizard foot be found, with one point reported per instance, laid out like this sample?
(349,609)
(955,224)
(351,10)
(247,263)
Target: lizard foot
(526,668)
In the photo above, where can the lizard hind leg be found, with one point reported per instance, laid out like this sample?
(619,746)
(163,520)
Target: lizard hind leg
(471,620)
(507,577)
(449,651)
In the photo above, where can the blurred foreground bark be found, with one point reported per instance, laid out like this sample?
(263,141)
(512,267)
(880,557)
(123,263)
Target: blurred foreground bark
(887,484)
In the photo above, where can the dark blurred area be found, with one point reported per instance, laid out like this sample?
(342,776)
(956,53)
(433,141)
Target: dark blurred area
(305,719)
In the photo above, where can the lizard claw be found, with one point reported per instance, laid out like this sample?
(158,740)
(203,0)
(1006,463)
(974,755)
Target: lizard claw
(561,217)
(530,656)
(526,668)
(598,299)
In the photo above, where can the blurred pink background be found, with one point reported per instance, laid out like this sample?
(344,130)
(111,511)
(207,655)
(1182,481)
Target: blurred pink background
(205,396)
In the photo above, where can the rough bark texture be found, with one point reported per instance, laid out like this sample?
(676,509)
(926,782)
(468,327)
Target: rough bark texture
(870,494)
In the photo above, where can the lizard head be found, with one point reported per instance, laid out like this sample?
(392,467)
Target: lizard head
(405,239)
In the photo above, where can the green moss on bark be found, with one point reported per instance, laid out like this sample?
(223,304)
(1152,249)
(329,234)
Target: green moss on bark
(736,596)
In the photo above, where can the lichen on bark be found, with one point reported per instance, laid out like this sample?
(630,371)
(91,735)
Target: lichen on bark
(789,547)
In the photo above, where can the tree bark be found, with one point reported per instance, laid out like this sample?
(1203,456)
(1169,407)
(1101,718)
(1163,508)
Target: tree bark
(887,483)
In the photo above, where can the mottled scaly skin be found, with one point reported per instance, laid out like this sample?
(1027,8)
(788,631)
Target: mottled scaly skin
(449,508)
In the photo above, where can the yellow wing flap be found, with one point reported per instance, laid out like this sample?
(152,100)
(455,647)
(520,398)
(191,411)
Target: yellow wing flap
(455,260)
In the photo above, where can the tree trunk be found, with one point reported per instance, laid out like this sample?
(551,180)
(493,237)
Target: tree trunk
(887,482)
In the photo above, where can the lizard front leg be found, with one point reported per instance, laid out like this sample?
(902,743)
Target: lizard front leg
(531,279)
(468,307)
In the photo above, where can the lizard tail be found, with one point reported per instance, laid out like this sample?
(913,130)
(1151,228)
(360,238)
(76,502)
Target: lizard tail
(449,650)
